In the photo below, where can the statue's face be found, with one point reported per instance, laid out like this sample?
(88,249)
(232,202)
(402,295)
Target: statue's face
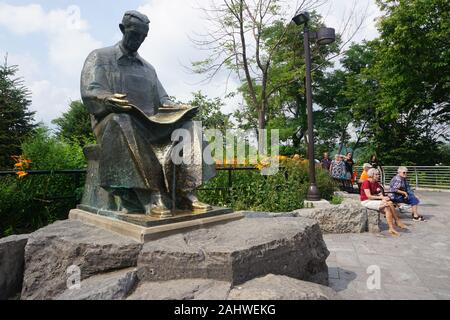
(134,35)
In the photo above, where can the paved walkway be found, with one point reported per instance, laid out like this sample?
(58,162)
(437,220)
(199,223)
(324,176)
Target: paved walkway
(415,265)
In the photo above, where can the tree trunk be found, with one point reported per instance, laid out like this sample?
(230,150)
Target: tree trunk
(261,126)
(341,144)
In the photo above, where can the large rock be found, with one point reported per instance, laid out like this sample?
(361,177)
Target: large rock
(273,287)
(348,217)
(264,214)
(183,289)
(269,287)
(239,251)
(110,286)
(50,251)
(373,221)
(12,250)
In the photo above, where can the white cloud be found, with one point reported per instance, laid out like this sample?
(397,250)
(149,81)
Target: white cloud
(353,19)
(28,66)
(169,49)
(69,42)
(22,19)
(67,33)
(49,101)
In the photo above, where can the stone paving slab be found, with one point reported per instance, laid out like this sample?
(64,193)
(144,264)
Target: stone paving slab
(415,265)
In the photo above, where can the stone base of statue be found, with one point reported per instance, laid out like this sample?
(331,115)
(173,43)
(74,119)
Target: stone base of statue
(144,228)
(276,258)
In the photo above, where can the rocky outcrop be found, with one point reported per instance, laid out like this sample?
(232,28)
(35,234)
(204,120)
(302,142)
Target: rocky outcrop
(110,286)
(50,251)
(239,251)
(269,287)
(348,217)
(70,260)
(274,287)
(183,289)
(373,221)
(12,250)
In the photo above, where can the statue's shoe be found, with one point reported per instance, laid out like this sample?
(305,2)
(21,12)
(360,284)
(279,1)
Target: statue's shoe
(189,201)
(198,206)
(157,207)
(161,211)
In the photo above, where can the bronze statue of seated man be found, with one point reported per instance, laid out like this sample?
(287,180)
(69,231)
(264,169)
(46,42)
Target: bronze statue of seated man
(125,98)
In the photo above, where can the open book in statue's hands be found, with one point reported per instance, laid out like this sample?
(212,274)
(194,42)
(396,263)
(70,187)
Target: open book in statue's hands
(166,114)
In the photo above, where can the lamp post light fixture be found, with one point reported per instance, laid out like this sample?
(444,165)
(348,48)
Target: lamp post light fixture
(322,36)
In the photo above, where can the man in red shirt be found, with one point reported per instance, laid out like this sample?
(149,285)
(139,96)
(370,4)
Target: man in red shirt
(371,196)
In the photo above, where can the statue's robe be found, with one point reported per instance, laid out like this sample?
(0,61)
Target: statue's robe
(136,154)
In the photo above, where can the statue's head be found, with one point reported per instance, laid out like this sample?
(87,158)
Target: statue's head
(134,28)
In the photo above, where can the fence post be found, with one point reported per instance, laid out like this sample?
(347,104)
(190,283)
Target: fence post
(417,178)
(230,184)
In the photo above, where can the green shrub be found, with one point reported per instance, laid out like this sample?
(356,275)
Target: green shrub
(34,201)
(282,192)
(336,200)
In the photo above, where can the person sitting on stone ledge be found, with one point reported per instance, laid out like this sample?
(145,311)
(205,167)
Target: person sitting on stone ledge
(401,192)
(372,198)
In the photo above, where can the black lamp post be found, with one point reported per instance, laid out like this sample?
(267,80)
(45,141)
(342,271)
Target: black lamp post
(322,36)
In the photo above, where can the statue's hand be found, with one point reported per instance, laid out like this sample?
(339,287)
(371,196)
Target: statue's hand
(118,102)
(168,104)
(183,106)
(174,105)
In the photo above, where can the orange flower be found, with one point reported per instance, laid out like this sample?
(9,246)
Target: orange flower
(21,174)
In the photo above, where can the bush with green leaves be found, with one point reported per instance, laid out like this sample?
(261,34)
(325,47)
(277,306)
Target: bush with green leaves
(33,201)
(282,192)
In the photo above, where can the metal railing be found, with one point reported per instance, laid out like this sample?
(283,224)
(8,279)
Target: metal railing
(78,173)
(77,180)
(433,177)
(419,177)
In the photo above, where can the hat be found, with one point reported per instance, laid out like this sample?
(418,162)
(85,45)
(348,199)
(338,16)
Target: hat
(367,165)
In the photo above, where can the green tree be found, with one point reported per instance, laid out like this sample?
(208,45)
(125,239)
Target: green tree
(16,121)
(240,43)
(48,152)
(285,88)
(398,84)
(210,112)
(414,56)
(75,124)
(33,201)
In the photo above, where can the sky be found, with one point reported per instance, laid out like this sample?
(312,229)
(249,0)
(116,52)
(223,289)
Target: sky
(49,41)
